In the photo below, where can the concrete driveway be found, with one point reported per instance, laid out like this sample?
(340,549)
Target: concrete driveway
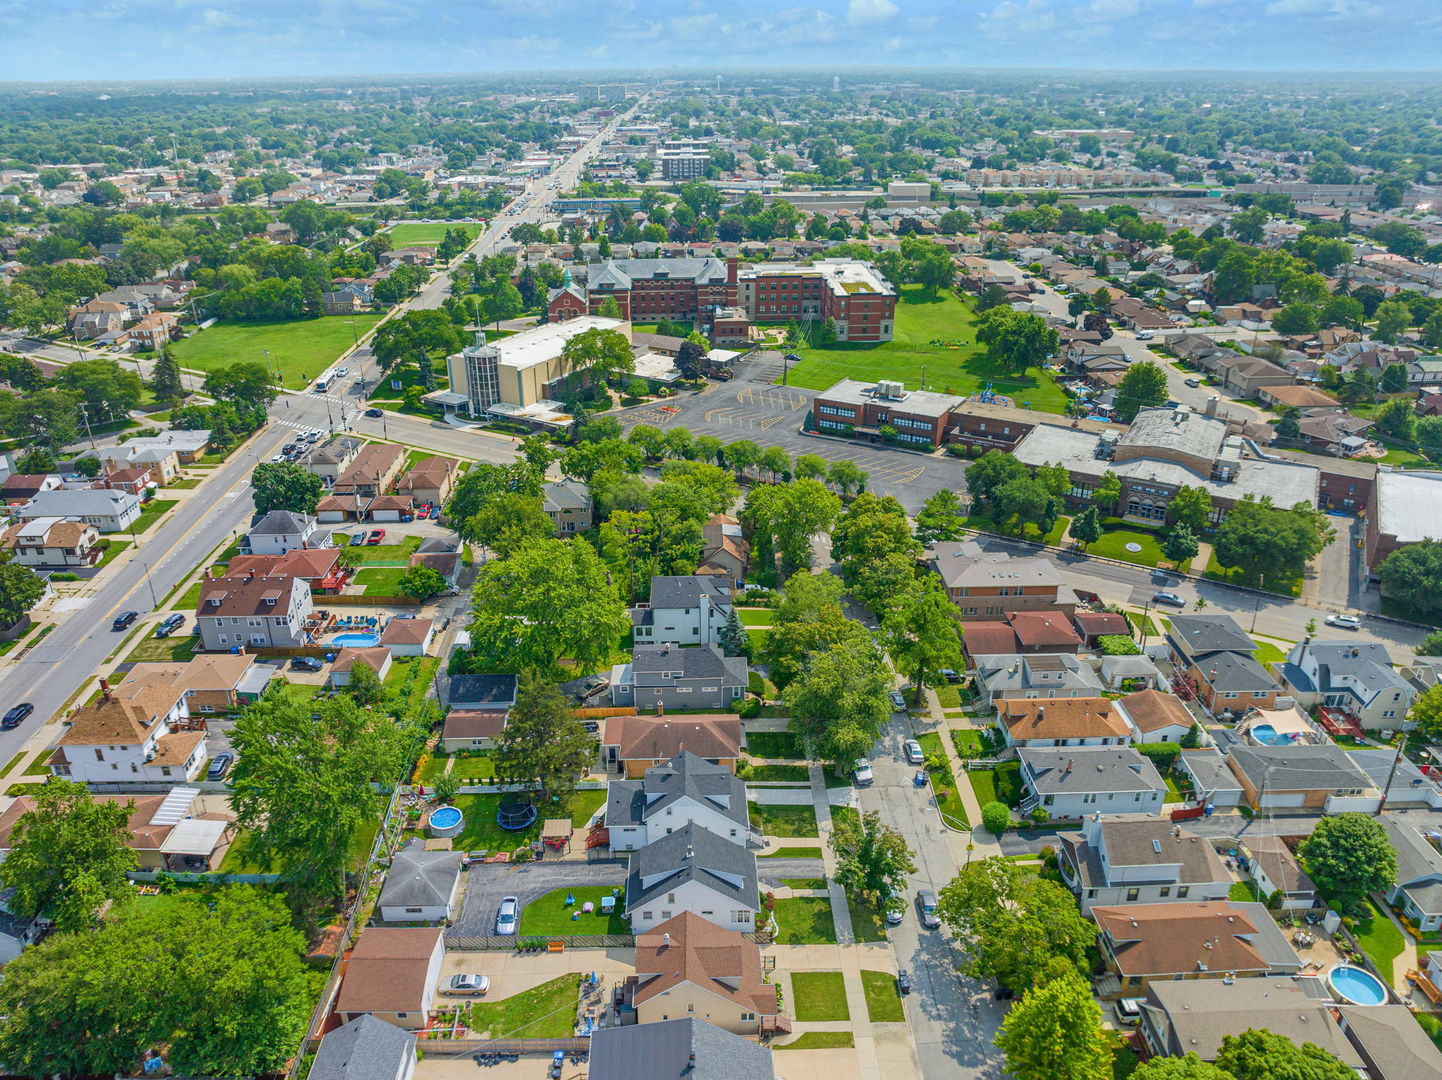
(487,884)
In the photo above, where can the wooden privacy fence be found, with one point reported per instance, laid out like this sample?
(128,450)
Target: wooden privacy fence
(457,1047)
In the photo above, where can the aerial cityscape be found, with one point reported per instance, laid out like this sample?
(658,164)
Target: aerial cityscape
(736,544)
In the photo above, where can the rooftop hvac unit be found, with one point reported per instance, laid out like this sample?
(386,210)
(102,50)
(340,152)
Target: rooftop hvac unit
(890,388)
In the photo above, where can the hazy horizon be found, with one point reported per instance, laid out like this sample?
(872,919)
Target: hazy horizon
(159,40)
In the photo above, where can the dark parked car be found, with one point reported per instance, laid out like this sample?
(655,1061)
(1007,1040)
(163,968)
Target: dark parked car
(926,905)
(219,766)
(375,414)
(903,981)
(171,624)
(305,663)
(12,718)
(124,619)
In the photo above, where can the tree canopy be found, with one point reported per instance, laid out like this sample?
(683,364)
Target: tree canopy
(543,742)
(1348,856)
(284,485)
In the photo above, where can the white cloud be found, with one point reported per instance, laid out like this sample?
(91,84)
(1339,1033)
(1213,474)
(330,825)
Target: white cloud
(1325,8)
(869,11)
(1110,10)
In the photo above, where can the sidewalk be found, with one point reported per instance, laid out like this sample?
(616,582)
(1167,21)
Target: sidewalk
(982,843)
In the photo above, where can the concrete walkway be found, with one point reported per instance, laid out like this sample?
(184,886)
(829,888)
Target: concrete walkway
(981,842)
(1407,959)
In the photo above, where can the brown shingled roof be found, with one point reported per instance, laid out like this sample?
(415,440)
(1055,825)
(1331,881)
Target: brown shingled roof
(1061,718)
(1174,939)
(1152,710)
(1041,629)
(699,952)
(660,737)
(388,969)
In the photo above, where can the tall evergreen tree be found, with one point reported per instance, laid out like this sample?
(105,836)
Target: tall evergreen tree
(165,381)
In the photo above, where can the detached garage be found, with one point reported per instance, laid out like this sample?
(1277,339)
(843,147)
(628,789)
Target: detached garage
(390,507)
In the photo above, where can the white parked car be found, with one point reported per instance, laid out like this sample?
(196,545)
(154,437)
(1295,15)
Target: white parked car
(862,773)
(913,752)
(470,985)
(1346,622)
(508,915)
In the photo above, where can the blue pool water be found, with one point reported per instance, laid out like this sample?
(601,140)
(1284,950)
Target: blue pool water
(1267,735)
(356,640)
(1355,985)
(445,817)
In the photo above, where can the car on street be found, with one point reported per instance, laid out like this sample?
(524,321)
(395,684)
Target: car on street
(219,765)
(895,908)
(897,699)
(507,915)
(470,985)
(1346,622)
(1145,335)
(276,459)
(12,718)
(1168,599)
(305,663)
(951,675)
(926,906)
(124,619)
(913,752)
(903,982)
(376,536)
(374,414)
(862,773)
(1192,382)
(171,624)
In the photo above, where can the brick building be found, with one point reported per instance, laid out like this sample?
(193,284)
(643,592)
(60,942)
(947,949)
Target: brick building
(918,416)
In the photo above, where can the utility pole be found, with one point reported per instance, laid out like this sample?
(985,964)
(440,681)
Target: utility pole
(1391,774)
(85,415)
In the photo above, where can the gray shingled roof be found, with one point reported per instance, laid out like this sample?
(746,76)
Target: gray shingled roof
(364,1049)
(280,522)
(686,591)
(685,776)
(692,853)
(649,662)
(1232,672)
(1085,769)
(1299,768)
(478,691)
(684,1049)
(419,878)
(1203,634)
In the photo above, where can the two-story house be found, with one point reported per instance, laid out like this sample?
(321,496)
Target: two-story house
(693,869)
(725,552)
(689,609)
(108,510)
(1418,889)
(1047,675)
(281,531)
(52,542)
(568,504)
(371,472)
(1138,859)
(1083,721)
(988,585)
(333,457)
(1216,654)
(255,610)
(685,790)
(670,677)
(1357,677)
(1072,782)
(143,737)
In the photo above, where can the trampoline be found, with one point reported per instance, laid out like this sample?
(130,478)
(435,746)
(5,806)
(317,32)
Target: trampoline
(515,816)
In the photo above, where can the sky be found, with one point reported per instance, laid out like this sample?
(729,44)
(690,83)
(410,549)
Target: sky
(165,39)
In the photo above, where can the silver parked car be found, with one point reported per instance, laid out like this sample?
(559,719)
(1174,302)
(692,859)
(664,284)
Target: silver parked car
(926,905)
(509,913)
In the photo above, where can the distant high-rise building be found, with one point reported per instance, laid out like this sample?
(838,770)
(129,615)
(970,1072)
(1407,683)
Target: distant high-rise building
(836,84)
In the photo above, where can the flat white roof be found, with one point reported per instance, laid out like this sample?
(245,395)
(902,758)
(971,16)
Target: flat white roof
(1409,504)
(542,344)
(194,836)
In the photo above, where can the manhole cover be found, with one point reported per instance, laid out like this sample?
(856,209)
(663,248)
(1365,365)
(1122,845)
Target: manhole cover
(1134,547)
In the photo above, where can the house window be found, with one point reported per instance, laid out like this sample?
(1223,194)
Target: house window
(413,911)
(741,916)
(748,1016)
(1166,890)
(1182,891)
(1132,895)
(647,915)
(670,898)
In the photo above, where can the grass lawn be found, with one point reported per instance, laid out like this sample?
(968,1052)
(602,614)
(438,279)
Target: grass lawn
(1239,575)
(550,916)
(792,773)
(115,548)
(819,995)
(481,833)
(920,320)
(1267,653)
(883,999)
(178,647)
(380,554)
(1246,892)
(805,920)
(381,581)
(1380,939)
(793,853)
(1142,624)
(300,349)
(820,1040)
(784,821)
(410,234)
(153,512)
(773,744)
(943,782)
(757,638)
(584,804)
(967,742)
(183,485)
(1002,784)
(755,616)
(1114,541)
(984,523)
(846,813)
(547,1011)
(867,924)
(789,882)
(949,696)
(471,767)
(1174,793)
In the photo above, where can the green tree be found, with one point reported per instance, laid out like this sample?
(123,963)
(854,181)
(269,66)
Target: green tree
(242,383)
(485,482)
(792,515)
(1054,1033)
(1086,527)
(508,521)
(1025,501)
(1393,318)
(543,741)
(421,582)
(1271,544)
(38,459)
(365,686)
(1262,1055)
(1143,386)
(20,590)
(503,301)
(165,379)
(939,518)
(1192,507)
(1189,1067)
(840,702)
(604,352)
(1010,922)
(1412,575)
(1348,856)
(414,335)
(1290,426)
(303,788)
(1117,645)
(923,634)
(1108,493)
(548,600)
(1426,711)
(990,471)
(808,621)
(1431,645)
(284,485)
(108,391)
(69,855)
(1397,418)
(732,638)
(846,476)
(1180,544)
(234,1000)
(1296,319)
(1016,340)
(809,467)
(872,858)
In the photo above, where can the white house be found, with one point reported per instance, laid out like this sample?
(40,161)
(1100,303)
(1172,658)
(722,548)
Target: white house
(408,637)
(281,530)
(421,886)
(136,734)
(686,790)
(253,610)
(693,869)
(1156,716)
(107,509)
(1139,859)
(1356,676)
(1418,891)
(1074,781)
(52,542)
(686,610)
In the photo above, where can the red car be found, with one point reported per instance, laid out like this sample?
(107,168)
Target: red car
(376,536)
(424,511)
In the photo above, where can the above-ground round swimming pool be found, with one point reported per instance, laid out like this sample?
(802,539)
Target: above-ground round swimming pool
(446,821)
(1356,985)
(356,641)
(1267,735)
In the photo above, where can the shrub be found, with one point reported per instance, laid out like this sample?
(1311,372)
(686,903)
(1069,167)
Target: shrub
(750,708)
(995,817)
(1162,755)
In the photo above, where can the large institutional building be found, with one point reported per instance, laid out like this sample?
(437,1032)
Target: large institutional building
(703,291)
